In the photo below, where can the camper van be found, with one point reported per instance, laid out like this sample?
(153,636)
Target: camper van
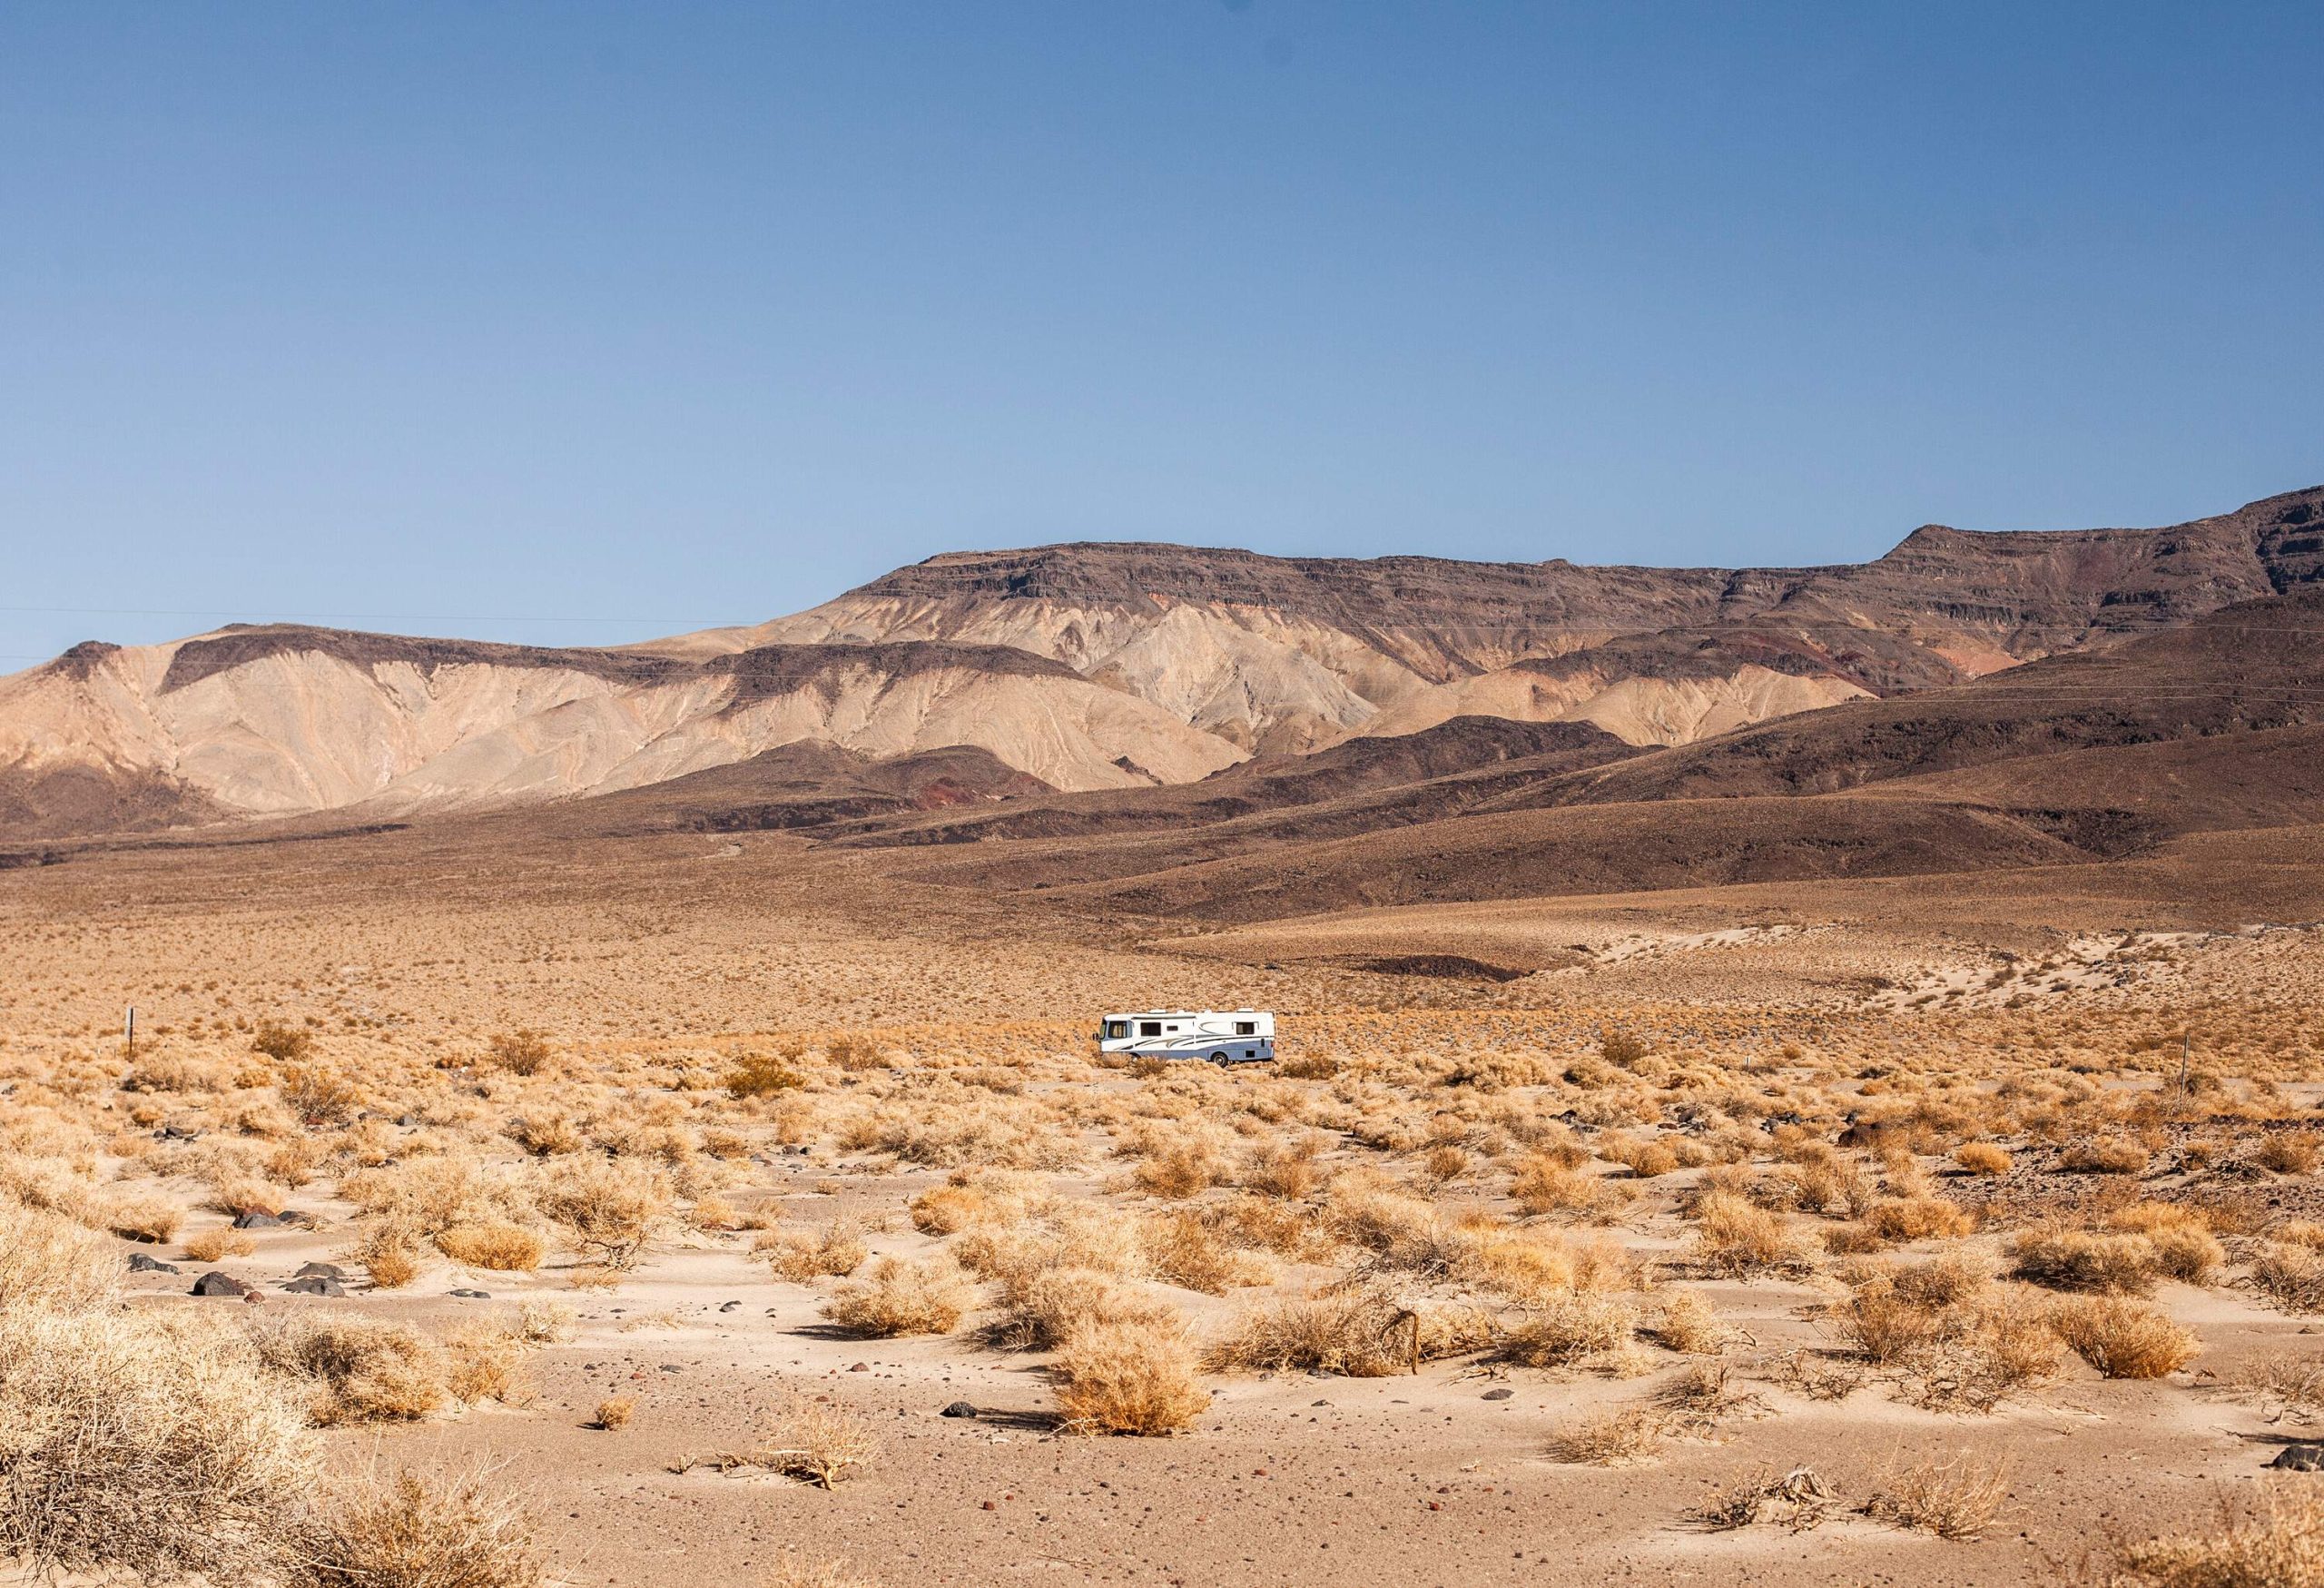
(1233,1036)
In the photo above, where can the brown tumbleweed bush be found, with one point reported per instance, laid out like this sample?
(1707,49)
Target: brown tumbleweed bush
(904,1296)
(1123,1378)
(2122,1339)
(1955,1496)
(142,1443)
(460,1531)
(2277,1543)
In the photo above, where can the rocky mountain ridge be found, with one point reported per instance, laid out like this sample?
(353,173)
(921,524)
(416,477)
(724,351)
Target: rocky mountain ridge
(1092,667)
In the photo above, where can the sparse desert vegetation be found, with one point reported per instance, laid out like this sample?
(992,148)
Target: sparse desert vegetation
(1498,1234)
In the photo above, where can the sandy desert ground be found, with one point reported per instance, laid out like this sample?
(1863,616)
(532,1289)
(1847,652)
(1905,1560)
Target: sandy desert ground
(1905,1231)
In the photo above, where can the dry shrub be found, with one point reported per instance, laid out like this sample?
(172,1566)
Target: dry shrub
(793,1573)
(2276,1543)
(282,1043)
(540,1321)
(1734,1236)
(2106,1155)
(1120,1376)
(1799,1500)
(1570,1327)
(1909,1219)
(1997,1350)
(546,1135)
(2122,1339)
(1685,1321)
(1646,1159)
(1952,1280)
(1444,1164)
(1613,1437)
(903,1297)
(525,1052)
(2187,1252)
(1288,1172)
(362,1370)
(1546,1184)
(318,1095)
(615,1411)
(1817,1375)
(2075,1259)
(507,1248)
(215,1245)
(1982,1158)
(1704,1395)
(1258,1223)
(2292,1278)
(140,1442)
(484,1361)
(1955,1496)
(711,1214)
(1047,1304)
(2292,1383)
(2289,1153)
(1071,1234)
(816,1442)
(46,1260)
(608,1204)
(174,1072)
(974,1195)
(762,1075)
(1357,1332)
(1881,1327)
(1307,1067)
(390,1260)
(1183,1248)
(1180,1171)
(412,1533)
(800,1255)
(851,1051)
(154,1220)
(50,1261)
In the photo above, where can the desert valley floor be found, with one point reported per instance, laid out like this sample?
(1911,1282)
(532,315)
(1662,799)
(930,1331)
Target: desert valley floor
(1852,1231)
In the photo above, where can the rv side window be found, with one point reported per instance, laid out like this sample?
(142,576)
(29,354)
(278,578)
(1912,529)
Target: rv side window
(1246,1028)
(1150,1027)
(1117,1028)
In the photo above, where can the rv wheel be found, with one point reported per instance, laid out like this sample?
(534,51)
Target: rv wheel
(1218,1059)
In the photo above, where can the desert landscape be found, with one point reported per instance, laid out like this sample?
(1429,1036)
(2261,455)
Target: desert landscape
(1782,1079)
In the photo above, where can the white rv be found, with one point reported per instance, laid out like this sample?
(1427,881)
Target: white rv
(1233,1036)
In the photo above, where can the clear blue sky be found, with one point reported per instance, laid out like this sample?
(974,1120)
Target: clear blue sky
(483,318)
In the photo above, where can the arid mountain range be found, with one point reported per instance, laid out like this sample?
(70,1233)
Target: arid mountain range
(1226,700)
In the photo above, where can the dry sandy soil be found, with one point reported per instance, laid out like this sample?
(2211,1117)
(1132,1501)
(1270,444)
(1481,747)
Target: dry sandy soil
(1515,1137)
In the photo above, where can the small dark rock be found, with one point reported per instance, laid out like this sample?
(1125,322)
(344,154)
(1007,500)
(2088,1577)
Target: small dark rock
(316,1284)
(256,1218)
(860,1368)
(2299,1458)
(1497,1394)
(473,1294)
(407,1122)
(672,1367)
(217,1284)
(139,1263)
(958,1409)
(321,1270)
(292,1215)
(728,1305)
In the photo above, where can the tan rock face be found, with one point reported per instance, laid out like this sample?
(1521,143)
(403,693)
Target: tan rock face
(310,720)
(1092,667)
(1276,653)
